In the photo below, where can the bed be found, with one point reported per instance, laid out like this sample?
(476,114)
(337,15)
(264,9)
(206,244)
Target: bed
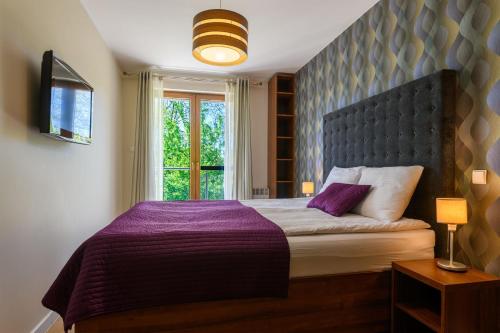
(338,281)
(321,245)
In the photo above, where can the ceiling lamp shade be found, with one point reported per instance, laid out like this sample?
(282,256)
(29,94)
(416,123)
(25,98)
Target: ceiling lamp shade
(220,37)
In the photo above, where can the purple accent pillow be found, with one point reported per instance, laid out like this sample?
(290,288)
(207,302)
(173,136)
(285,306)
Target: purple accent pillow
(339,198)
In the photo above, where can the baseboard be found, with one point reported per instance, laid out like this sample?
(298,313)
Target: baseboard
(46,323)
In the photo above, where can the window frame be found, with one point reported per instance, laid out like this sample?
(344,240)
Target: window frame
(195,135)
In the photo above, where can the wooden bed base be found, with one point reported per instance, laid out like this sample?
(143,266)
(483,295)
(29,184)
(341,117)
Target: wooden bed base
(339,303)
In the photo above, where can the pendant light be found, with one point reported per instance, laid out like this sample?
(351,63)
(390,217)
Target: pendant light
(220,37)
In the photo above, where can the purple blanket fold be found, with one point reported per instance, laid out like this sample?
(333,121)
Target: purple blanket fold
(160,253)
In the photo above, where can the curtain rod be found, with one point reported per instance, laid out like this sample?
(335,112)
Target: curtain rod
(194,78)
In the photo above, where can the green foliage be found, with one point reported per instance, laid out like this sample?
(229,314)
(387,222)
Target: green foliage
(212,133)
(212,149)
(177,148)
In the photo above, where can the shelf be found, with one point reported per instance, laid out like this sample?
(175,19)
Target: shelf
(281,136)
(284,150)
(284,189)
(422,314)
(285,126)
(285,84)
(285,104)
(284,170)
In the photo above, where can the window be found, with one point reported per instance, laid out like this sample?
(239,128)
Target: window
(193,152)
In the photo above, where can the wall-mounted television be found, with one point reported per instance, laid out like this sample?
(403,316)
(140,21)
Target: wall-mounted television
(66,102)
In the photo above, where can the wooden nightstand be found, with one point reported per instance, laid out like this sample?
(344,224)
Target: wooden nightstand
(426,298)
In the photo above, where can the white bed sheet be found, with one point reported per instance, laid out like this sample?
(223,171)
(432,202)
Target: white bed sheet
(321,244)
(295,219)
(357,252)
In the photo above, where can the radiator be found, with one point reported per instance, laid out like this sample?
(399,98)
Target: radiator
(260,193)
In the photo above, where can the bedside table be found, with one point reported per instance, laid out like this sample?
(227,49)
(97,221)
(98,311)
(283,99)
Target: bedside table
(426,298)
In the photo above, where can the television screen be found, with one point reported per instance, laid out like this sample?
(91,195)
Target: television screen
(66,102)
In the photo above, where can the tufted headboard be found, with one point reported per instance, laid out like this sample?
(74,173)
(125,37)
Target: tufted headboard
(413,124)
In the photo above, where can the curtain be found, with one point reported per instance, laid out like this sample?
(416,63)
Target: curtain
(147,177)
(237,153)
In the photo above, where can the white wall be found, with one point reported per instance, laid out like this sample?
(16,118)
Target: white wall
(53,195)
(258,109)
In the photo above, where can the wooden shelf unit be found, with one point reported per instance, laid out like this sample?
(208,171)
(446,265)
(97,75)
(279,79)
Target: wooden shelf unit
(426,298)
(281,136)
(422,314)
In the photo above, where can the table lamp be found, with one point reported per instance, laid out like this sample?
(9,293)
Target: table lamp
(451,211)
(308,188)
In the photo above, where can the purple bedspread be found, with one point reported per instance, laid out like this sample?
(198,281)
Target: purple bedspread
(160,253)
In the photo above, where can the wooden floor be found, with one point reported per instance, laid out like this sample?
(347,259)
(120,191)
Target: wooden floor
(58,327)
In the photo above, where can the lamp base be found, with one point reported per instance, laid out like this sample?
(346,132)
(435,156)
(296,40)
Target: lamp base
(451,266)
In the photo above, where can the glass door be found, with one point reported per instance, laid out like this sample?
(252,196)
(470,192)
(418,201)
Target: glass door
(193,151)
(212,116)
(178,120)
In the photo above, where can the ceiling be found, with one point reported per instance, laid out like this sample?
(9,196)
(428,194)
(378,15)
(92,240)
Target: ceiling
(283,34)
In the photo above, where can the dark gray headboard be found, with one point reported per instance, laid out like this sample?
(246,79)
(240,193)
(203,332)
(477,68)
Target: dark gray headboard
(413,124)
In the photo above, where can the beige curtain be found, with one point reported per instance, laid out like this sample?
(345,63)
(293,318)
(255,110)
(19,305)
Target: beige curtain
(147,178)
(238,155)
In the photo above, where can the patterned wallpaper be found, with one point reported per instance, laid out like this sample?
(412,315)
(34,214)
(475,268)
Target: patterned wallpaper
(397,41)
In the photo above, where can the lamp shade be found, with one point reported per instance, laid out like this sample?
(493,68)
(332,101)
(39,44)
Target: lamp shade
(308,187)
(220,37)
(451,210)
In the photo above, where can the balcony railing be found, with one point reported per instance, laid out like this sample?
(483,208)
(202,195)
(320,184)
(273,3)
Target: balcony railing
(177,182)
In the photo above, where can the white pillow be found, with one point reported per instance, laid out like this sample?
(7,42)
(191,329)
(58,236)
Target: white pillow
(342,175)
(391,192)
